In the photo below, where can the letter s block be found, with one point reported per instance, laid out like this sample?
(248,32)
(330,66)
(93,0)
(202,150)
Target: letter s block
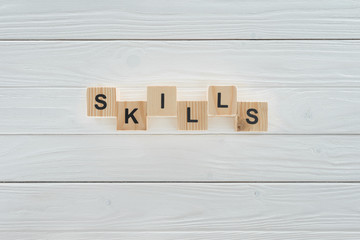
(131,115)
(192,115)
(252,116)
(101,101)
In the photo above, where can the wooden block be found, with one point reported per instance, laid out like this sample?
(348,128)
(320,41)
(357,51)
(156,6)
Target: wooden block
(252,116)
(161,101)
(101,101)
(222,100)
(192,115)
(131,115)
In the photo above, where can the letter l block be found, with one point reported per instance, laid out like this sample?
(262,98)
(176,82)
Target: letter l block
(222,100)
(192,115)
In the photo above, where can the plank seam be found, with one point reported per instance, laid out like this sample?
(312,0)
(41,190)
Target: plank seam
(173,40)
(181,182)
(345,87)
(177,231)
(178,134)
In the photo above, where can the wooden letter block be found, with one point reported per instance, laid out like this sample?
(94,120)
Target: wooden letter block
(222,100)
(192,115)
(161,101)
(131,115)
(101,102)
(252,116)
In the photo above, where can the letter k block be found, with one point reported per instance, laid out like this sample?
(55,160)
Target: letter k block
(131,115)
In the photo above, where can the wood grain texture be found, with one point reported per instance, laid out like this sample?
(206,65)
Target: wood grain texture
(161,19)
(292,111)
(251,117)
(161,101)
(222,100)
(201,63)
(179,158)
(105,105)
(179,207)
(209,235)
(131,115)
(192,115)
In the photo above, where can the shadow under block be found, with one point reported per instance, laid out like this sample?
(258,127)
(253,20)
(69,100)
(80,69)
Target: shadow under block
(251,117)
(101,101)
(131,115)
(192,115)
(222,100)
(161,101)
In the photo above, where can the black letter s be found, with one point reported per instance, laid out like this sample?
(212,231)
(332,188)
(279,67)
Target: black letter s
(248,112)
(97,98)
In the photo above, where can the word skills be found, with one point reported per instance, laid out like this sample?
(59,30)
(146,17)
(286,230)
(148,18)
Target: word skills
(191,115)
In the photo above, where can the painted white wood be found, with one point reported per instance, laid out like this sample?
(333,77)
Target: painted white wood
(162,19)
(291,111)
(179,207)
(209,235)
(179,158)
(312,87)
(183,63)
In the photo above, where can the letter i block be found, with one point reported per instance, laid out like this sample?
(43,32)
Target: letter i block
(131,115)
(192,115)
(252,116)
(101,102)
(161,101)
(222,100)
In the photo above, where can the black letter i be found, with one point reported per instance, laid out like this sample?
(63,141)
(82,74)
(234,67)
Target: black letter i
(162,101)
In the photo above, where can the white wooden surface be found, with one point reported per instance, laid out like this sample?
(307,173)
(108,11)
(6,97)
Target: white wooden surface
(183,63)
(163,158)
(66,176)
(180,207)
(210,235)
(291,111)
(187,19)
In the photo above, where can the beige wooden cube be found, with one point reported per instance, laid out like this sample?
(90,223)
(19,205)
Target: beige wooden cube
(101,101)
(192,115)
(131,115)
(222,100)
(161,101)
(252,116)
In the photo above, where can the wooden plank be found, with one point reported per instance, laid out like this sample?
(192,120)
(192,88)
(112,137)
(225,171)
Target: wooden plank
(160,19)
(199,63)
(291,111)
(195,158)
(210,235)
(179,207)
